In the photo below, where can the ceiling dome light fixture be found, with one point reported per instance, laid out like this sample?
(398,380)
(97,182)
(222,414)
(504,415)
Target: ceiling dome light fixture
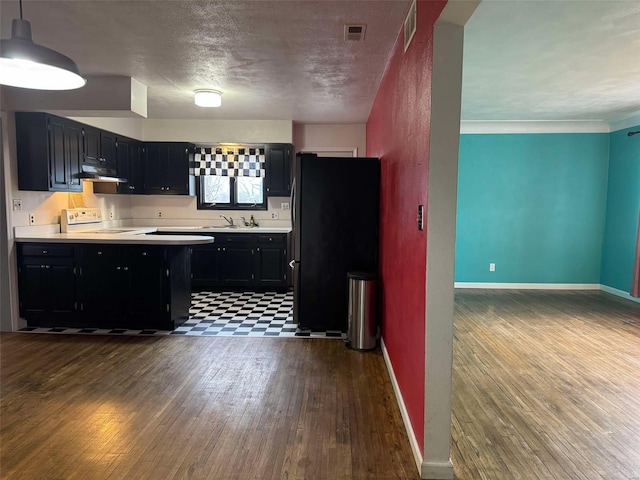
(28,65)
(208,98)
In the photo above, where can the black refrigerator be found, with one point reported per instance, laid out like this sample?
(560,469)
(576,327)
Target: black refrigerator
(335,212)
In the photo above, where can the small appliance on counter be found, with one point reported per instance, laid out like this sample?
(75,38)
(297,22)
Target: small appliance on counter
(335,213)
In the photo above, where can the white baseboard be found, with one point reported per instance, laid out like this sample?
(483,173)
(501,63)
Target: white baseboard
(437,470)
(529,286)
(413,441)
(619,293)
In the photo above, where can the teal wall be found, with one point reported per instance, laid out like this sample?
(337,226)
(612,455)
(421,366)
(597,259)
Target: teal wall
(623,205)
(533,204)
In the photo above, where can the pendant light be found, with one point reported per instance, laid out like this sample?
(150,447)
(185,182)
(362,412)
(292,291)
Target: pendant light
(28,65)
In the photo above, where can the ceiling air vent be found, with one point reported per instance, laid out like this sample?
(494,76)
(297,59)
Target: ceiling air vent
(354,33)
(410,25)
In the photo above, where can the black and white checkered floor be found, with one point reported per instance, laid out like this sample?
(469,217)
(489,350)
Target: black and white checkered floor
(225,314)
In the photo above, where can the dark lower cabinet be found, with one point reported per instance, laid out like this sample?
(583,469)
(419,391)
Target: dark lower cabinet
(104,286)
(241,261)
(47,285)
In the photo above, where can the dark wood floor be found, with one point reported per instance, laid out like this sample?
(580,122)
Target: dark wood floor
(95,408)
(546,385)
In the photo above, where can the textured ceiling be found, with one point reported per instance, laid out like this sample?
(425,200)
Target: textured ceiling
(552,60)
(286,59)
(271,59)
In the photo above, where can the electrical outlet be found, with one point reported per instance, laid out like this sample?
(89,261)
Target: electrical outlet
(17,204)
(492,267)
(111,215)
(275,215)
(32,218)
(285,206)
(159,214)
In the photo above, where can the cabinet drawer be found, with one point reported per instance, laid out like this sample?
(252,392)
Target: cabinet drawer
(44,250)
(271,239)
(240,239)
(100,251)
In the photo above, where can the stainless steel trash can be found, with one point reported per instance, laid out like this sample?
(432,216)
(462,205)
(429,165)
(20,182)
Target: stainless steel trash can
(363,328)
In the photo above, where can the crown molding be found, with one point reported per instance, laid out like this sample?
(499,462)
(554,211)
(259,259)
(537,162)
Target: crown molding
(534,126)
(625,122)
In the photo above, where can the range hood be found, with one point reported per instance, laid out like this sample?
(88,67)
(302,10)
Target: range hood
(91,173)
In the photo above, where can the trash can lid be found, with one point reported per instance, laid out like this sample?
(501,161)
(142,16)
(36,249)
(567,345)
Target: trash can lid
(362,275)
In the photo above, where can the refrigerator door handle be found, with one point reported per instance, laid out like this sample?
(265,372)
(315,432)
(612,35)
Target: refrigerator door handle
(293,205)
(291,264)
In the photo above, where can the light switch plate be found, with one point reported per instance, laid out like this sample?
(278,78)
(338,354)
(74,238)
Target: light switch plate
(285,206)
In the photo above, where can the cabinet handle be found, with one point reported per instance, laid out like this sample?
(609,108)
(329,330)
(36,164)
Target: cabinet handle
(224,249)
(44,252)
(117,268)
(41,266)
(99,253)
(144,254)
(126,269)
(258,249)
(268,189)
(270,239)
(47,266)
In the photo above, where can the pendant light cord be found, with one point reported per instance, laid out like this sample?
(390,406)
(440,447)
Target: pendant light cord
(20,9)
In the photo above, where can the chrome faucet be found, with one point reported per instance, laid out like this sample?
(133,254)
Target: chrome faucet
(244,222)
(229,220)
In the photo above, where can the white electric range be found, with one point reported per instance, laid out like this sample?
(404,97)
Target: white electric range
(87,220)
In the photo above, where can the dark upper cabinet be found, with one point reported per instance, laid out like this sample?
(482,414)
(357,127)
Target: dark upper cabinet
(91,145)
(278,165)
(124,148)
(167,168)
(49,150)
(131,156)
(131,164)
(99,147)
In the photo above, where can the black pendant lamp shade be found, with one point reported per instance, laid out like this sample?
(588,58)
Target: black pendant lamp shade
(28,65)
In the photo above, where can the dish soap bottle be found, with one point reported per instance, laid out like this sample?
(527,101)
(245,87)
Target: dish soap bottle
(252,222)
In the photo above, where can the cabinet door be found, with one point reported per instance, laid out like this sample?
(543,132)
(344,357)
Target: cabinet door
(270,266)
(108,149)
(138,161)
(178,169)
(32,289)
(58,162)
(157,166)
(104,286)
(278,165)
(91,143)
(47,291)
(236,265)
(123,156)
(147,285)
(205,268)
(73,155)
(60,281)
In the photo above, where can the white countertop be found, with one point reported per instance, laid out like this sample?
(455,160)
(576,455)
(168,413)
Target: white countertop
(137,235)
(214,229)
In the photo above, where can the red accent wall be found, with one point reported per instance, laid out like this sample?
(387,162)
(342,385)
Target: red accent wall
(398,133)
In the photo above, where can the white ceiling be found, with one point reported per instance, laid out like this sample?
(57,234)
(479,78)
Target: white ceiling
(277,60)
(552,60)
(286,59)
